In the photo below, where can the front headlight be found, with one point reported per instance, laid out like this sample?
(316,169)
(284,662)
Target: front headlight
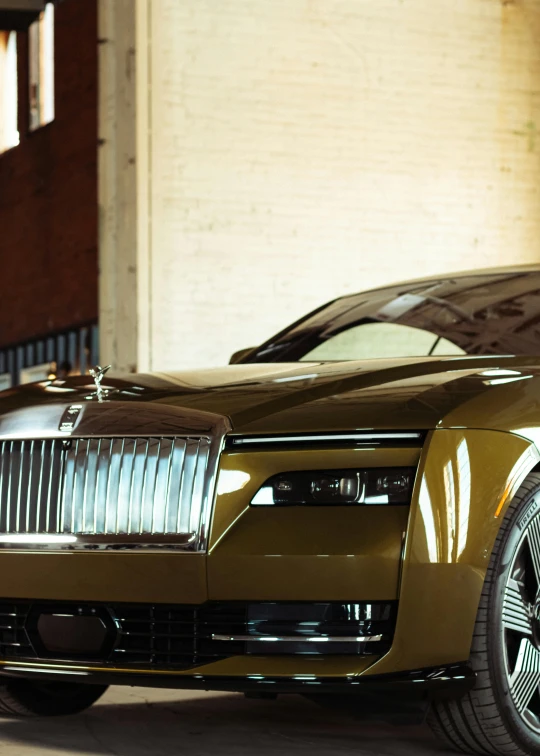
(378,486)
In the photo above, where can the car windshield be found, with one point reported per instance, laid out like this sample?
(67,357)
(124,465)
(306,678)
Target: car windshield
(472,314)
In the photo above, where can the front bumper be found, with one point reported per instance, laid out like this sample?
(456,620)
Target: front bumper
(431,558)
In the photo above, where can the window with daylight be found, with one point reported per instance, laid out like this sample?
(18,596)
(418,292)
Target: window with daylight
(41,68)
(9,133)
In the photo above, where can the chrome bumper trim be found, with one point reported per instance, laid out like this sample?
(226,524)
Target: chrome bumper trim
(299,638)
(54,542)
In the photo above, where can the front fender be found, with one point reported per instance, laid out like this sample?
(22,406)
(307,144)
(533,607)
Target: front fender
(465,482)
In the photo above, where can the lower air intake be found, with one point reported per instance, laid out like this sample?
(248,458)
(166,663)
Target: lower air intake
(160,636)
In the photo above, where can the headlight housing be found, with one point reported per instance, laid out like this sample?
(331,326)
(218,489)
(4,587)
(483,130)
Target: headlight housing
(374,487)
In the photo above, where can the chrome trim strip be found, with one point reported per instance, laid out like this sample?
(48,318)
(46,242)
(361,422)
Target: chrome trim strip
(307,438)
(210,488)
(48,670)
(36,539)
(97,542)
(299,638)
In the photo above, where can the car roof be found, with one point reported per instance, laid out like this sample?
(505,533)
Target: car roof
(501,270)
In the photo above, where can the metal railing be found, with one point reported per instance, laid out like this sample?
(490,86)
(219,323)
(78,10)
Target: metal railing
(21,363)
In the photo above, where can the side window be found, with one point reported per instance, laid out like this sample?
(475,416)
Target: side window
(379,340)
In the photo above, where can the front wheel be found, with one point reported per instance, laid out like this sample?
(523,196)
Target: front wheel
(30,698)
(501,715)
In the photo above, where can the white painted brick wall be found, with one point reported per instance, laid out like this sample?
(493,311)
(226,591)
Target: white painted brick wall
(303,149)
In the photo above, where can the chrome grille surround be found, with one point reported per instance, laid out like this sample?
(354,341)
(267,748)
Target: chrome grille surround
(150,489)
(153,464)
(129,487)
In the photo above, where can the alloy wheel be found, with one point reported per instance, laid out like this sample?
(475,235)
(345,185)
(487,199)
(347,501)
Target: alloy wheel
(521,626)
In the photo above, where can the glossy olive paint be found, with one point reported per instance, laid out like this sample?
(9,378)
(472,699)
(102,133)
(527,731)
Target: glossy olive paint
(480,447)
(104,576)
(410,393)
(304,553)
(464,475)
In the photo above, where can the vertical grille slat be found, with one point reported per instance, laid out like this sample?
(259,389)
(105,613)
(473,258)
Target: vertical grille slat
(10,488)
(158,502)
(85,484)
(130,493)
(195,512)
(97,486)
(28,527)
(78,488)
(124,487)
(168,489)
(138,474)
(188,480)
(74,516)
(175,486)
(89,507)
(3,506)
(117,447)
(41,461)
(150,485)
(161,489)
(69,460)
(105,465)
(143,488)
(119,486)
(20,487)
(50,470)
(58,486)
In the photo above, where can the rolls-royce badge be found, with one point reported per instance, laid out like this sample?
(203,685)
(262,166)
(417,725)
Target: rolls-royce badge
(69,418)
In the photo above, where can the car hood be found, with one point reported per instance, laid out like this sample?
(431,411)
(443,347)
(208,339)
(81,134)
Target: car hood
(304,397)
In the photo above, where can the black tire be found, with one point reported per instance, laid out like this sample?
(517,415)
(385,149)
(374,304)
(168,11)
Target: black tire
(30,698)
(490,718)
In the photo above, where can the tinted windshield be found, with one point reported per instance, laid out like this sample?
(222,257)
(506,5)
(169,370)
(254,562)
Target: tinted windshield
(475,314)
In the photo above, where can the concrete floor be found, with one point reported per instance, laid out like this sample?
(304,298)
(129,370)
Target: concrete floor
(146,722)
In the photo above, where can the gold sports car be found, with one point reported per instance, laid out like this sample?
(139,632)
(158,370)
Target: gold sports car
(350,512)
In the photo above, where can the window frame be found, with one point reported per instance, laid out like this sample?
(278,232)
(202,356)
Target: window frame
(9,93)
(41,89)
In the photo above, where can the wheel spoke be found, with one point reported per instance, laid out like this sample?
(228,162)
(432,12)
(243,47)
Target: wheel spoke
(533,538)
(516,614)
(525,678)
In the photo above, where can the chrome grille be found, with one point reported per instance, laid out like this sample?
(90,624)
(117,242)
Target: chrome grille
(137,488)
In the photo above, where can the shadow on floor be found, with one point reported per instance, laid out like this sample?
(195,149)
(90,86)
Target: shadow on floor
(146,722)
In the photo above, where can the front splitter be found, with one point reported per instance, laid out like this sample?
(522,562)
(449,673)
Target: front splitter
(445,682)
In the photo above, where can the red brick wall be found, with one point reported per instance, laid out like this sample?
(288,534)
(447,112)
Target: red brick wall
(48,192)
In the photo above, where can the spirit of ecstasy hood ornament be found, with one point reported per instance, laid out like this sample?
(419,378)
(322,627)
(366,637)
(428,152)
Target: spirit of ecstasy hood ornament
(97,374)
